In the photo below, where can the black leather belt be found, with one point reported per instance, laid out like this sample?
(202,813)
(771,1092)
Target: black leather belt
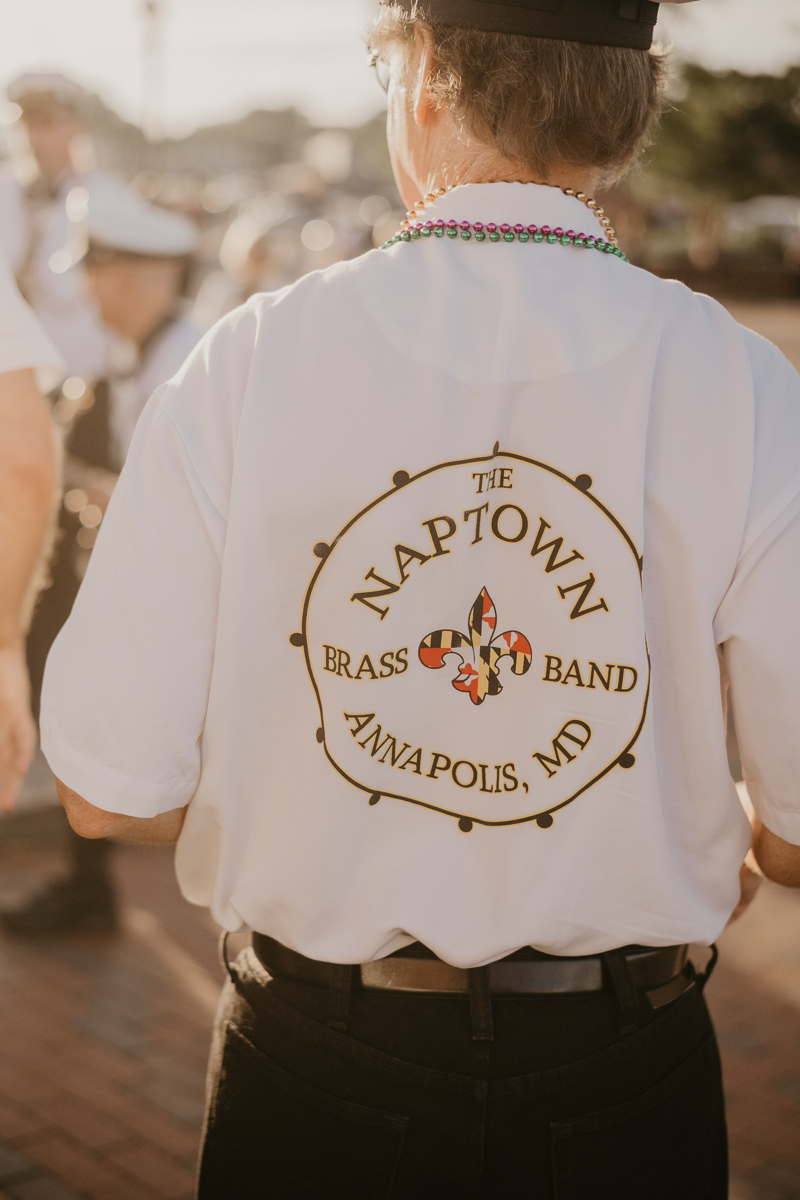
(663,973)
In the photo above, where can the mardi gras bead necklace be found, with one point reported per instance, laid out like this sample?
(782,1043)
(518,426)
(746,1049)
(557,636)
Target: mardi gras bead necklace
(412,229)
(414,213)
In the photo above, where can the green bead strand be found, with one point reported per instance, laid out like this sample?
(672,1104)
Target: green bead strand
(480,235)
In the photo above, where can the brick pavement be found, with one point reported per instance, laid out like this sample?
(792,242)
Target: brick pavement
(754,998)
(103,1043)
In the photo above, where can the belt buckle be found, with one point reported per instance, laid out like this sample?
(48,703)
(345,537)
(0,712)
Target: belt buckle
(414,975)
(550,977)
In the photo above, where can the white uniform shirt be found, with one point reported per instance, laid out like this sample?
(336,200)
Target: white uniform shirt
(465,448)
(30,236)
(23,343)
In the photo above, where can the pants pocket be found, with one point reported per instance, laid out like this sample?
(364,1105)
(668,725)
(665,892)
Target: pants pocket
(270,1136)
(669,1142)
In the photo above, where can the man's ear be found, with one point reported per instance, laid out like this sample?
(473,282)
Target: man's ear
(423,106)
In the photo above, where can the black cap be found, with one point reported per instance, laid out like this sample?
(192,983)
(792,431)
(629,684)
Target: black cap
(627,23)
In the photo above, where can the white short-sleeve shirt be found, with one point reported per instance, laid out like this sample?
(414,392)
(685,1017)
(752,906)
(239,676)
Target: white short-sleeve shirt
(23,342)
(422,586)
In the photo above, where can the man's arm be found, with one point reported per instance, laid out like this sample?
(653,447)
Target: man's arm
(779,860)
(91,822)
(127,683)
(27,483)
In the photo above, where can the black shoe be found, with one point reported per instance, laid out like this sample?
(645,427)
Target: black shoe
(65,905)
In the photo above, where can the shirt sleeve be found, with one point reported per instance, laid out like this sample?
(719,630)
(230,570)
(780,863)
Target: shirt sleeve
(757,623)
(127,680)
(762,656)
(23,342)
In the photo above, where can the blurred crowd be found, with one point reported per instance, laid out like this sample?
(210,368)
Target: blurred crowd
(126,269)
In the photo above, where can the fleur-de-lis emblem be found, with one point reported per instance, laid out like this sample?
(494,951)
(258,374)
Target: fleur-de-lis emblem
(478,676)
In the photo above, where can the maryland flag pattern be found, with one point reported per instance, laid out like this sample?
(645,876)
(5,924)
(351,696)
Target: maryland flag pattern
(478,677)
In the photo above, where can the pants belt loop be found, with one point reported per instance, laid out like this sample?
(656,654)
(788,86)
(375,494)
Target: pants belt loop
(480,1005)
(625,989)
(339,988)
(223,955)
(702,977)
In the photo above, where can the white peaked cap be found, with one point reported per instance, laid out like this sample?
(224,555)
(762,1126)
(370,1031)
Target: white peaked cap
(42,85)
(113,216)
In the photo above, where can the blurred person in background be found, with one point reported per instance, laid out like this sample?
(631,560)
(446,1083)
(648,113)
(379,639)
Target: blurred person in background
(470,543)
(29,365)
(253,257)
(137,261)
(52,155)
(138,264)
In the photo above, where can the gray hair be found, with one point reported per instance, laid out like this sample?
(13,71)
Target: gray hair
(536,101)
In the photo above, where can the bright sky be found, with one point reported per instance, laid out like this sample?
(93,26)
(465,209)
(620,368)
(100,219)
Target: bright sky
(224,57)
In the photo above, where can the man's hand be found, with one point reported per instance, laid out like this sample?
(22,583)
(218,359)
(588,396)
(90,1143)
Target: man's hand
(17,730)
(92,822)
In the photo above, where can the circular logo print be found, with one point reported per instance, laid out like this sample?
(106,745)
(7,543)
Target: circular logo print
(476,642)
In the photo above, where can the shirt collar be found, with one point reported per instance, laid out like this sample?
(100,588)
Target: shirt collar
(513,203)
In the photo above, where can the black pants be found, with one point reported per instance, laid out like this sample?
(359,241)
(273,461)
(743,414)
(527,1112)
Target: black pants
(407,1104)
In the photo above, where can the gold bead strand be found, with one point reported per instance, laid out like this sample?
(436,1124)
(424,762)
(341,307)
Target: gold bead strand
(419,207)
(598,212)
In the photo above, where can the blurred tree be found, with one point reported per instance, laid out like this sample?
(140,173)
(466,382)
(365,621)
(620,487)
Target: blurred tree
(259,140)
(730,136)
